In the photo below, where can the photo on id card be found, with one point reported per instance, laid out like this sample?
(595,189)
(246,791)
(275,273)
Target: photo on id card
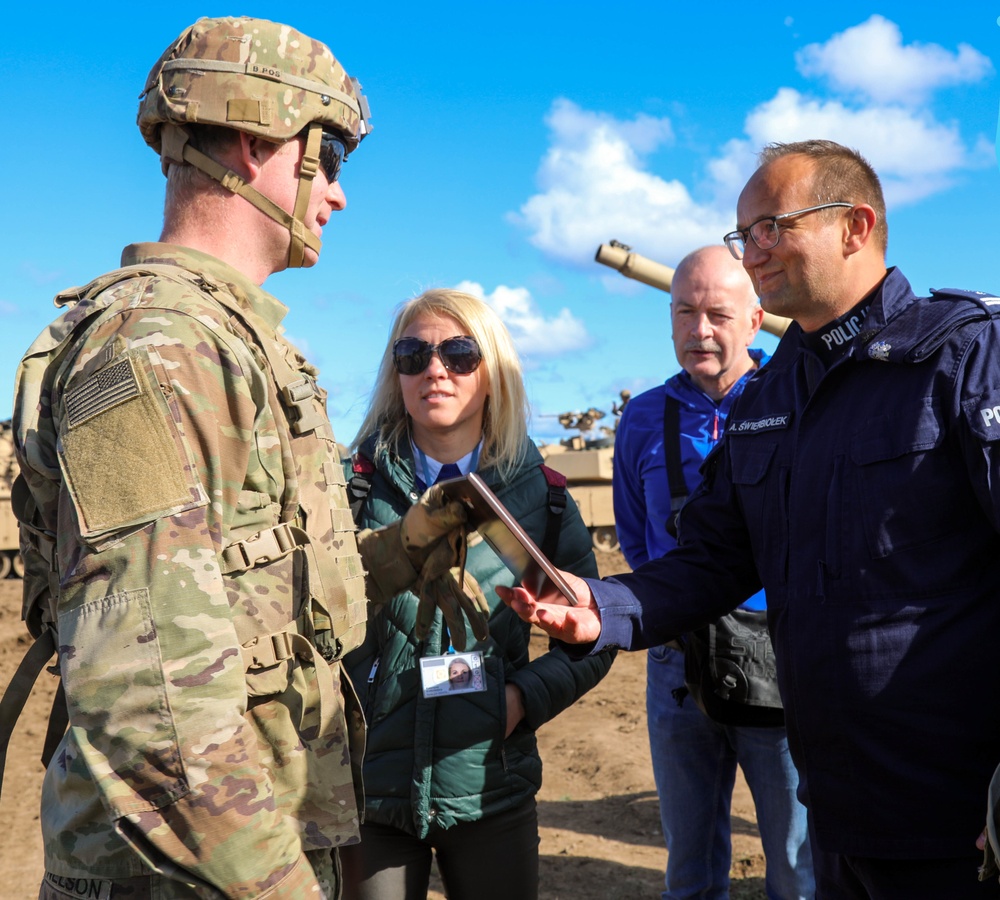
(455,673)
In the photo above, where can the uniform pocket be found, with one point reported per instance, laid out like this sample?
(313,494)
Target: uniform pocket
(892,454)
(116,692)
(763,497)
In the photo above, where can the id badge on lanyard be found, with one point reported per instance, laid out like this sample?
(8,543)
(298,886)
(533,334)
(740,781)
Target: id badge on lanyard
(453,673)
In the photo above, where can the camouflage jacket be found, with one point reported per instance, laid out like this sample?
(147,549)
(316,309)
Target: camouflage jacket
(190,540)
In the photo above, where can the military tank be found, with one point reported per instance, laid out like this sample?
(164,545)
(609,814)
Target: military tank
(586,459)
(10,555)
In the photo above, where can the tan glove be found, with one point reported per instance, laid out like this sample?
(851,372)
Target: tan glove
(429,519)
(394,555)
(445,586)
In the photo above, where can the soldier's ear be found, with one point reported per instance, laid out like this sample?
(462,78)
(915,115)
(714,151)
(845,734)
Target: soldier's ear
(254,151)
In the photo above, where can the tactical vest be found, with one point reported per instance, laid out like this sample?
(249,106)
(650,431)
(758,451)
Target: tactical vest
(308,535)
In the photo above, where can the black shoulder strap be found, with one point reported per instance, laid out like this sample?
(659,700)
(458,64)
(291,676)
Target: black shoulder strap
(556,482)
(16,695)
(360,484)
(672,454)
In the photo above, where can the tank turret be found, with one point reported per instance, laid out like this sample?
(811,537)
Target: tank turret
(586,459)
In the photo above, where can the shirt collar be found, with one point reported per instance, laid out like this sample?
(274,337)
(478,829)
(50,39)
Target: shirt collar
(251,295)
(428,468)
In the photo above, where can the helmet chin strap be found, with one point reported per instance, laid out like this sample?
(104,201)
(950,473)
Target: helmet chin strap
(307,172)
(177,150)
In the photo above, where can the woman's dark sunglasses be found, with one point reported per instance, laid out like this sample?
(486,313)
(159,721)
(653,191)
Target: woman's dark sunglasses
(460,355)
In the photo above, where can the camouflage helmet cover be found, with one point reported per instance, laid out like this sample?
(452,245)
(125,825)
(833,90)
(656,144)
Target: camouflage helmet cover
(252,75)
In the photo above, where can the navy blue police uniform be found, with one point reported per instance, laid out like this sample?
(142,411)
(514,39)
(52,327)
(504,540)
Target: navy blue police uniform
(859,483)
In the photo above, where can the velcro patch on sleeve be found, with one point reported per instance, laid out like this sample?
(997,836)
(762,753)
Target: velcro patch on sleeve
(124,461)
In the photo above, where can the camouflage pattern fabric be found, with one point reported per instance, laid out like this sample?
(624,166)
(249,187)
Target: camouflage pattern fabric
(209,740)
(253,75)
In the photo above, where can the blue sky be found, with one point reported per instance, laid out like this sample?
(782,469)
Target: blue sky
(510,140)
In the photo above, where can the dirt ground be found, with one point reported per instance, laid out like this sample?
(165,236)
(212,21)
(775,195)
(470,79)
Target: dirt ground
(600,828)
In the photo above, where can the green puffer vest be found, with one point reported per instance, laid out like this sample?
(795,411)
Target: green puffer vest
(431,763)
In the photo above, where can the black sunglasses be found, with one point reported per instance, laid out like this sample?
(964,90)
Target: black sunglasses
(460,355)
(332,155)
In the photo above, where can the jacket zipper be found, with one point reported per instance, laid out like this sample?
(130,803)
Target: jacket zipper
(371,690)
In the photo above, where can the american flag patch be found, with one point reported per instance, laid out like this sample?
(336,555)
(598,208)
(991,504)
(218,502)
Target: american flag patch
(102,391)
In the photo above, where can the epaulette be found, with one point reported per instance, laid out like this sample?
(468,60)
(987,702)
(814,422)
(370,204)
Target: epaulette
(989,302)
(924,326)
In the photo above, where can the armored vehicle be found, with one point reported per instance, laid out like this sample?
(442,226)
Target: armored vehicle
(586,459)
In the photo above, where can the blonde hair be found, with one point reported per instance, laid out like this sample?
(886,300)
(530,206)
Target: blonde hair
(505,415)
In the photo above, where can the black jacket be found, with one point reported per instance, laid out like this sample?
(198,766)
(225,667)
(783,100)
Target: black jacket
(433,762)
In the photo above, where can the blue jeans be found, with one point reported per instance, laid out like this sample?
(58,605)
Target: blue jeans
(694,764)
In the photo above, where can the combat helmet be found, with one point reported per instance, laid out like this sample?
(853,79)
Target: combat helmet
(260,77)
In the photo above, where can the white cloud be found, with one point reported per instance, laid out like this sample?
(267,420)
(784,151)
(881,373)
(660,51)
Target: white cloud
(870,59)
(595,188)
(595,183)
(534,335)
(914,154)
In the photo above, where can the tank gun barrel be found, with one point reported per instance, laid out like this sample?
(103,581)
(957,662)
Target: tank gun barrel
(640,268)
(632,265)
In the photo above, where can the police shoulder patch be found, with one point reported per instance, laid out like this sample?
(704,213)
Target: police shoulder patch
(983,415)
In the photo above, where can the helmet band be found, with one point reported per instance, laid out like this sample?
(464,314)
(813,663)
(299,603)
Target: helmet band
(265,72)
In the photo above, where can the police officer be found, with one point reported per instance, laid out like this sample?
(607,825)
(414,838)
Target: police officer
(859,482)
(185,525)
(697,741)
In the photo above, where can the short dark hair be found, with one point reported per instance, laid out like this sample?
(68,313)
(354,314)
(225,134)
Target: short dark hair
(214,141)
(841,174)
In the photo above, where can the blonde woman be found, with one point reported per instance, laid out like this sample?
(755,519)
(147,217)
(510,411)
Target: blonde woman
(454,776)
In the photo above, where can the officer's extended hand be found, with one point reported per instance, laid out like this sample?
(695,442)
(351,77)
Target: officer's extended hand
(552,612)
(440,586)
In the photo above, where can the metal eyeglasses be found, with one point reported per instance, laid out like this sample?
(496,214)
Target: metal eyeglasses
(765,232)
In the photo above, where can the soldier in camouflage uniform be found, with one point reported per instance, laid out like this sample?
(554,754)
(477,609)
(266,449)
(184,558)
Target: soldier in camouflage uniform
(185,526)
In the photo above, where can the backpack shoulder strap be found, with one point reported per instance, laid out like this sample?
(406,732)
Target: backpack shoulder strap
(556,502)
(360,484)
(18,691)
(672,453)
